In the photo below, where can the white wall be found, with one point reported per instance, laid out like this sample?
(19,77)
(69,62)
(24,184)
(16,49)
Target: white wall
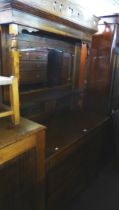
(101,7)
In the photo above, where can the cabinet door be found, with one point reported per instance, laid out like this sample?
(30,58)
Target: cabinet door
(18,181)
(71,174)
(99,73)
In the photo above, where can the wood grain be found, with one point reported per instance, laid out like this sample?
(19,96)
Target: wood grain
(22,166)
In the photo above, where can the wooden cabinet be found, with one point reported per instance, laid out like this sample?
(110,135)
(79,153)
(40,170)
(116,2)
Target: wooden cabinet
(99,72)
(46,71)
(22,166)
(103,74)
(42,50)
(73,162)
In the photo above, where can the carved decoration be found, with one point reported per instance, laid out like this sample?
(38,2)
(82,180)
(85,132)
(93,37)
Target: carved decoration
(61,11)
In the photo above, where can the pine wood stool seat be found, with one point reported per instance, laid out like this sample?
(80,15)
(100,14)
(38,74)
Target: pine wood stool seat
(12,111)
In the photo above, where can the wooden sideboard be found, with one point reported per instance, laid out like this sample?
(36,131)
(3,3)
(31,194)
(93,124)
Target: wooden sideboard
(22,165)
(78,146)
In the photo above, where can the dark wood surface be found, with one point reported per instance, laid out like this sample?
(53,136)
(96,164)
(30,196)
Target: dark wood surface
(10,134)
(35,55)
(115,120)
(76,141)
(115,93)
(40,93)
(17,181)
(100,72)
(74,156)
(83,66)
(48,11)
(22,165)
(65,128)
(112,26)
(114,98)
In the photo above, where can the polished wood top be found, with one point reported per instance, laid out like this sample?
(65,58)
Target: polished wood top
(10,134)
(67,128)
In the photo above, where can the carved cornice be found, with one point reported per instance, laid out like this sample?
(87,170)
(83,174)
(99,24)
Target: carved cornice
(61,12)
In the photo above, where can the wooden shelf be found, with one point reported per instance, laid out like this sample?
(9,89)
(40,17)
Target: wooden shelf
(67,128)
(45,90)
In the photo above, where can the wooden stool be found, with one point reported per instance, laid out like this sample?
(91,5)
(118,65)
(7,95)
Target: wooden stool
(12,111)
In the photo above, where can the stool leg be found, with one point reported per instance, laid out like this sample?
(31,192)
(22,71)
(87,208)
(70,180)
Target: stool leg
(14,98)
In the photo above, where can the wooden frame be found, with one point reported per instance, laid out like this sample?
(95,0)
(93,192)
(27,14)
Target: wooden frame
(14,99)
(17,141)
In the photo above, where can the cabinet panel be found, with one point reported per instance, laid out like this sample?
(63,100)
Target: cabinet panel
(46,74)
(99,73)
(17,182)
(44,60)
(22,165)
(33,67)
(68,175)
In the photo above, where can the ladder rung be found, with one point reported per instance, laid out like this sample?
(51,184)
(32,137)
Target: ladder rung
(14,99)
(6,80)
(6,113)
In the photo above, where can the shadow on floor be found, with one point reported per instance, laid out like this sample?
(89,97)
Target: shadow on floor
(103,194)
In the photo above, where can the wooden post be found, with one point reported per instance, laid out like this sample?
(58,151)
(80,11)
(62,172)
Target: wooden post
(14,98)
(76,65)
(5,65)
(14,53)
(75,75)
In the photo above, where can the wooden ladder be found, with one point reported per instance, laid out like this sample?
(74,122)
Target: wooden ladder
(13,110)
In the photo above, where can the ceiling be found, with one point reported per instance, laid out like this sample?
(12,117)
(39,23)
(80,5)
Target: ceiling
(101,7)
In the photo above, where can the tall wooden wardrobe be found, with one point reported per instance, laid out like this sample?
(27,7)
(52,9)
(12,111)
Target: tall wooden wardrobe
(103,73)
